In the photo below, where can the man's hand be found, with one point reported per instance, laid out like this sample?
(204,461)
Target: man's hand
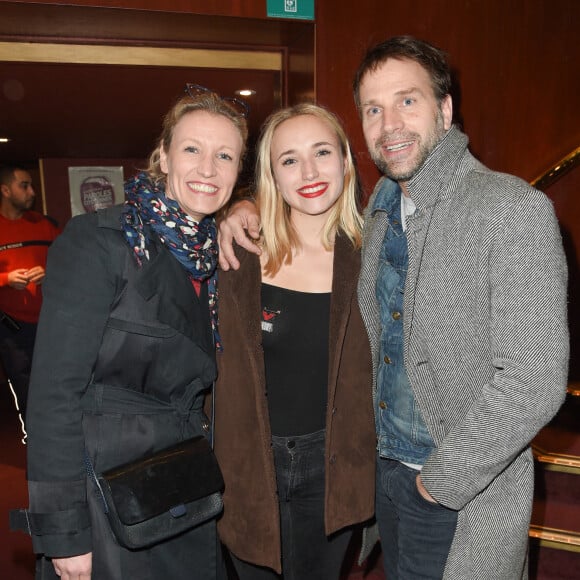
(242,224)
(18,279)
(75,567)
(36,275)
(424,493)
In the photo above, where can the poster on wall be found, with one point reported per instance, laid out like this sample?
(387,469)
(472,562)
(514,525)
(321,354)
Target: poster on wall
(93,188)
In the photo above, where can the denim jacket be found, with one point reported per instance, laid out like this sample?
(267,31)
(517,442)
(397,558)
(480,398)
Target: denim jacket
(402,433)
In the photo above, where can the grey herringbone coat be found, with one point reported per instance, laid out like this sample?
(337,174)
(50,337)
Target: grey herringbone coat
(486,344)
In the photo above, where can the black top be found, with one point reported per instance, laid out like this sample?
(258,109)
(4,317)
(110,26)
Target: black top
(295,341)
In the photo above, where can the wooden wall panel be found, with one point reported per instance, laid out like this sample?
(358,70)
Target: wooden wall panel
(518,63)
(246,8)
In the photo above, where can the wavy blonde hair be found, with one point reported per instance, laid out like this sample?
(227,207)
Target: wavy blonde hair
(208,102)
(278,236)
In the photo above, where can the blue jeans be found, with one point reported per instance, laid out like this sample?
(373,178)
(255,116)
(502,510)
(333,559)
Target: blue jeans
(416,534)
(307,553)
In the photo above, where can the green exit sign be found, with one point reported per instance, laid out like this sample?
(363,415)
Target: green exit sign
(301,9)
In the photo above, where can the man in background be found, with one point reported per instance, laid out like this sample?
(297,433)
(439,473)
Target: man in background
(25,236)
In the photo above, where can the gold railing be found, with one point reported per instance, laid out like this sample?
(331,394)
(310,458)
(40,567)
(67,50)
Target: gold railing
(556,171)
(557,461)
(554,538)
(551,537)
(574,389)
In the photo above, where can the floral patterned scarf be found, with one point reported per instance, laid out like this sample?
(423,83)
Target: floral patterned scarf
(193,244)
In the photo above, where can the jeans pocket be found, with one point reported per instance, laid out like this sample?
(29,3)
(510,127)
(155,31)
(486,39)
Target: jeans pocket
(422,501)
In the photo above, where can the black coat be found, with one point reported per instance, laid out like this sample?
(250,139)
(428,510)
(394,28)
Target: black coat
(124,357)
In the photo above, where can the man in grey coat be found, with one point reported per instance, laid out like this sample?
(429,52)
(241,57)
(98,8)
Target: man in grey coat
(463,292)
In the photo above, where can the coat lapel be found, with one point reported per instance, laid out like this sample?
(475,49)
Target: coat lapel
(374,232)
(244,286)
(417,231)
(163,281)
(346,266)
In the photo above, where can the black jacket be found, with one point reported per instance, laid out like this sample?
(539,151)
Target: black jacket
(123,359)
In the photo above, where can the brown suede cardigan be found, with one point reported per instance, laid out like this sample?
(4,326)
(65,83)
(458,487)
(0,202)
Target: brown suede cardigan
(250,526)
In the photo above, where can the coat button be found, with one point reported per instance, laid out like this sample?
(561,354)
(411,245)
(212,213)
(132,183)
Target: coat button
(387,360)
(396,315)
(383,405)
(291,444)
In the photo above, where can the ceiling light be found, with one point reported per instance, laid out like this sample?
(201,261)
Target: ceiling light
(245,92)
(4,139)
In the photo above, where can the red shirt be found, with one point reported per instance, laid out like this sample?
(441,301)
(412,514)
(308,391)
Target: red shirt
(23,244)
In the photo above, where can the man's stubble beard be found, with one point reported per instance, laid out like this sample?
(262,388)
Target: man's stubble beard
(425,149)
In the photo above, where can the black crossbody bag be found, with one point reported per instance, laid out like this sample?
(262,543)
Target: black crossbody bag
(161,495)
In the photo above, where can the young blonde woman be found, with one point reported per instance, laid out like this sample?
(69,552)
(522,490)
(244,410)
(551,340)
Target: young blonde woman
(294,421)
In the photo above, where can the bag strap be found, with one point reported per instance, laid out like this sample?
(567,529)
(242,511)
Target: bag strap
(211,435)
(92,475)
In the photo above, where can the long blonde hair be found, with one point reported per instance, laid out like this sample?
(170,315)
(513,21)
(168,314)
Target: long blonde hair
(278,236)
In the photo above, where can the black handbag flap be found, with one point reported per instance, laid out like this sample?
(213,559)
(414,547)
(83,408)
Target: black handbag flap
(170,478)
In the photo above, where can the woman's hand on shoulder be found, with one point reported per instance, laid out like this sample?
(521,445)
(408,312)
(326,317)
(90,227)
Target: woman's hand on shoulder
(75,567)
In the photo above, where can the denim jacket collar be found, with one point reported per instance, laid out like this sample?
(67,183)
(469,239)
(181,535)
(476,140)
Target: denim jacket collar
(388,196)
